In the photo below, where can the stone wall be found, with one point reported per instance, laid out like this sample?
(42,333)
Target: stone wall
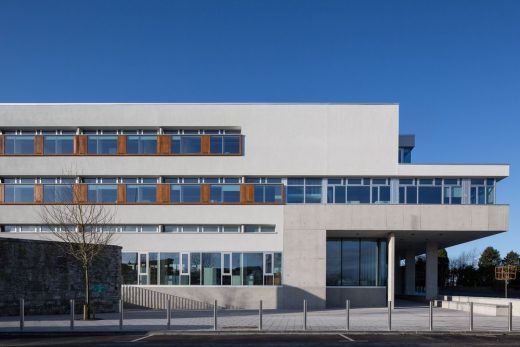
(46,278)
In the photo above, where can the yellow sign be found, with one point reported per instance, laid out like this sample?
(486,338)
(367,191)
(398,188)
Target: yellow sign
(505,273)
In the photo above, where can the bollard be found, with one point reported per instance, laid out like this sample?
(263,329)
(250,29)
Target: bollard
(510,317)
(470,316)
(304,314)
(347,312)
(169,313)
(72,314)
(431,315)
(120,314)
(260,316)
(215,316)
(389,315)
(22,314)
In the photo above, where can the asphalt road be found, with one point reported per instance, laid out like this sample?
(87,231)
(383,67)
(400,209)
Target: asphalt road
(320,340)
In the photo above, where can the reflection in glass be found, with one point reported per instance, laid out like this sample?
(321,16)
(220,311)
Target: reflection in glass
(53,193)
(140,193)
(58,144)
(19,144)
(169,268)
(18,193)
(129,267)
(102,193)
(253,269)
(211,269)
(102,144)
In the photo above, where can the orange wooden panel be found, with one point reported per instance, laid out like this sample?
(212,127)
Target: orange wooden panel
(80,144)
(38,145)
(250,193)
(205,144)
(164,144)
(243,193)
(121,193)
(80,193)
(247,192)
(121,144)
(1,193)
(163,193)
(38,193)
(1,144)
(204,193)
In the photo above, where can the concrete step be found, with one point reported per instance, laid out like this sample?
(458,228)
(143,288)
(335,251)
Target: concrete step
(478,308)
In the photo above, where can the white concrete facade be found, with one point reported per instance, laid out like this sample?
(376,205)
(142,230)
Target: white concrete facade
(282,141)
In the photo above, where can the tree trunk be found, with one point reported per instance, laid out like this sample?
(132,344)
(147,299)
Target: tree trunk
(86,307)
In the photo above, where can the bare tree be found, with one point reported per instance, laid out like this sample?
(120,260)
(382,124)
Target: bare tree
(82,229)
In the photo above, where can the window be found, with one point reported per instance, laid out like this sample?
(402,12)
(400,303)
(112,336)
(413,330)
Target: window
(356,262)
(482,191)
(143,268)
(231,228)
(185,268)
(304,190)
(194,269)
(259,228)
(129,267)
(141,144)
(211,269)
(102,144)
(407,191)
(405,155)
(358,191)
(268,193)
(367,262)
(207,268)
(236,266)
(430,191)
(53,193)
(19,144)
(226,269)
(186,144)
(333,274)
(19,193)
(185,193)
(102,193)
(228,144)
(253,269)
(452,191)
(380,191)
(336,191)
(58,144)
(169,269)
(139,193)
(224,193)
(350,262)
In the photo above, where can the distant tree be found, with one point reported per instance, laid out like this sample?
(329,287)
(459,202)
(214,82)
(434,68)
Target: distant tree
(489,258)
(463,271)
(443,266)
(511,258)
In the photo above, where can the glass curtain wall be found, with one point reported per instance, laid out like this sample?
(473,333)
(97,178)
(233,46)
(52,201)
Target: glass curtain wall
(356,262)
(206,268)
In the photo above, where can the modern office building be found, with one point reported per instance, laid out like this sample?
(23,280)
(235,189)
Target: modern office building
(242,202)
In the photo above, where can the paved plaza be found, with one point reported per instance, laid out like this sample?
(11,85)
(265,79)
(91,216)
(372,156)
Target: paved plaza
(404,318)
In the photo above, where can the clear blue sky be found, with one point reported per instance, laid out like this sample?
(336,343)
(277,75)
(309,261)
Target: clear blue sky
(453,66)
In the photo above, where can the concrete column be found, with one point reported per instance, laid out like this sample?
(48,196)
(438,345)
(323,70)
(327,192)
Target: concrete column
(431,270)
(410,272)
(391,269)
